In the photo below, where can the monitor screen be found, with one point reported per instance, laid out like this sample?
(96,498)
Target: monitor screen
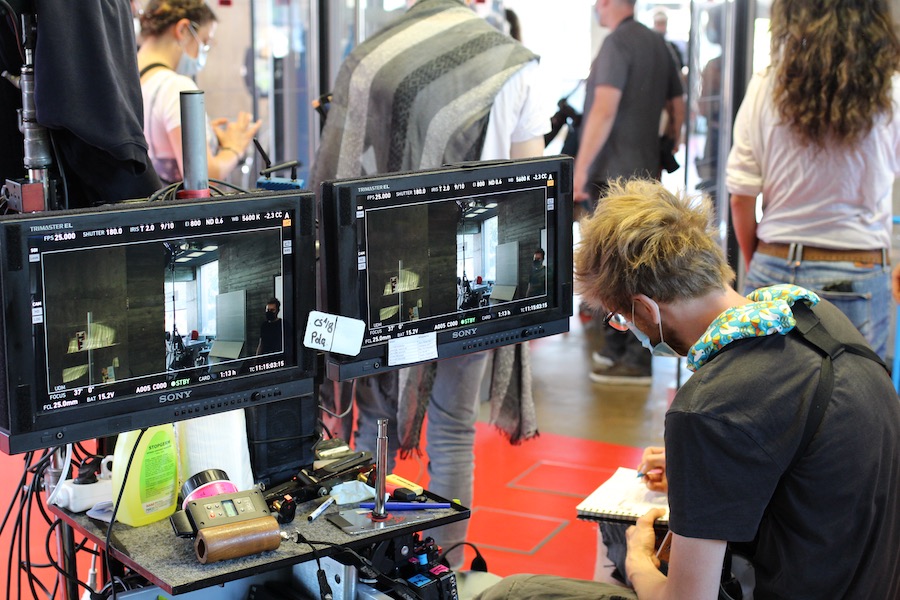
(448,261)
(143,313)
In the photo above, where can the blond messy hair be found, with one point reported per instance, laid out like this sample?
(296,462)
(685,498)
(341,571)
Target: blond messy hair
(642,239)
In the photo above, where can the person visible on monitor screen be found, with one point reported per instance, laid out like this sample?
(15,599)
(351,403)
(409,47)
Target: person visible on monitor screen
(447,71)
(271,330)
(176,37)
(818,135)
(633,80)
(808,496)
(537,278)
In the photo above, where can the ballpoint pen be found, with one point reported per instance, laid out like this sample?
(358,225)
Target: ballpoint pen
(407,505)
(321,508)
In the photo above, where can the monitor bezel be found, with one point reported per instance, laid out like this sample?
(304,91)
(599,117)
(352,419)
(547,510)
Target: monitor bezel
(342,293)
(25,386)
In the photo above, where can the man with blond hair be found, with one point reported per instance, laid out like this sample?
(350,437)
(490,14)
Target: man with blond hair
(784,444)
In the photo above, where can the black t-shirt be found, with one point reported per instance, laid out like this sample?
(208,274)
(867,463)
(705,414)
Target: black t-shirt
(270,336)
(828,528)
(537,282)
(635,60)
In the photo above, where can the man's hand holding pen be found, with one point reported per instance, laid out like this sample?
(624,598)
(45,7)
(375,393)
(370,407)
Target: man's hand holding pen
(653,469)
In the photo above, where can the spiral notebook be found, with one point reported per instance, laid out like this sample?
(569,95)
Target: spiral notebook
(622,497)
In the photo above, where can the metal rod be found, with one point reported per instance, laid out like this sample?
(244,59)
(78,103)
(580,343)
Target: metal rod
(381,448)
(193,143)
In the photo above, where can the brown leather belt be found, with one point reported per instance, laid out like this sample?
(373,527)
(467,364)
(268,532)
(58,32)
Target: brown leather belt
(799,252)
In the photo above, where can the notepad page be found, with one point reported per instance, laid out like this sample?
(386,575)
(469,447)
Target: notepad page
(622,496)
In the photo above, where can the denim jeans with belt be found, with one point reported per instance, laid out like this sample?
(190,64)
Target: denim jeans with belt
(862,292)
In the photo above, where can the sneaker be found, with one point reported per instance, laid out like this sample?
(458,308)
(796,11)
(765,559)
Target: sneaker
(619,374)
(601,361)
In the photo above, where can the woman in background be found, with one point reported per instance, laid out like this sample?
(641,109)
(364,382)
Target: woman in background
(818,134)
(176,37)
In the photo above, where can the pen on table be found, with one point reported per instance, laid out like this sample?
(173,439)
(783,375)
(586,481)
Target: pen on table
(321,508)
(407,505)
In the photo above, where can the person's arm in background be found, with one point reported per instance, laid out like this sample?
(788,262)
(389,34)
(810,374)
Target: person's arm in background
(597,126)
(675,109)
(743,219)
(743,171)
(527,149)
(518,118)
(234,139)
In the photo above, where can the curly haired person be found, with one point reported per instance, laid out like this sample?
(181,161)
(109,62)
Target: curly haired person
(818,135)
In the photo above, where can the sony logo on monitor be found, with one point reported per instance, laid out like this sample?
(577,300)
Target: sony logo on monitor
(464,332)
(183,395)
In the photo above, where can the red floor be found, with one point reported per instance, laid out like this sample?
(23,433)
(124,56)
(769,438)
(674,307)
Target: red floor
(523,518)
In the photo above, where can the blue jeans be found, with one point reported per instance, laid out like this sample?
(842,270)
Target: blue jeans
(861,293)
(450,437)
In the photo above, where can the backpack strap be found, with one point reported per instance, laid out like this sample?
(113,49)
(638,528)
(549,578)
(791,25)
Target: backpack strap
(813,331)
(150,67)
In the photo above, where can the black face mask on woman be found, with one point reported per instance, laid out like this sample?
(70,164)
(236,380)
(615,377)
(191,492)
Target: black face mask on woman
(270,315)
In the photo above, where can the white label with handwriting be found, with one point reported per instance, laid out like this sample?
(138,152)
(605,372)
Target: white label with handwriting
(331,333)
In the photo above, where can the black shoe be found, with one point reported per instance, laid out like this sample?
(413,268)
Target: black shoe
(619,374)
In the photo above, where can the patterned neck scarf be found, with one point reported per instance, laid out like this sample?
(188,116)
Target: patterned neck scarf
(768,314)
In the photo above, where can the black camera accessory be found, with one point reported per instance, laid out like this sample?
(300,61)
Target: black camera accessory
(284,508)
(403,494)
(344,463)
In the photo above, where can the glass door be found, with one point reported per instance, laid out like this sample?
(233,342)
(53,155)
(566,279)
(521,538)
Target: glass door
(709,114)
(281,70)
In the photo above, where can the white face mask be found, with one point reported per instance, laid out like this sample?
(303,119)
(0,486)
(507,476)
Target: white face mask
(187,64)
(660,349)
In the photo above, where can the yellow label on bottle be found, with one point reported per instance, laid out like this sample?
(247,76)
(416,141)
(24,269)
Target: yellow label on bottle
(159,474)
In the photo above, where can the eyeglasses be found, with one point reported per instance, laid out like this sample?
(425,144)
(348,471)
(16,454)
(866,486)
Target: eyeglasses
(195,29)
(616,321)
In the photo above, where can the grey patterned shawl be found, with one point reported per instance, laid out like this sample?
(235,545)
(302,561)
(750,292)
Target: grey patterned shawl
(404,99)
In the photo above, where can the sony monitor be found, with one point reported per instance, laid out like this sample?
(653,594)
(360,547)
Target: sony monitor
(140,313)
(448,261)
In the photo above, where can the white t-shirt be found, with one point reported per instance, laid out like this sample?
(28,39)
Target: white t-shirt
(831,197)
(162,113)
(519,113)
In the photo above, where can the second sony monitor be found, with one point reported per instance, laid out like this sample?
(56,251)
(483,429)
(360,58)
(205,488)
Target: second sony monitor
(449,261)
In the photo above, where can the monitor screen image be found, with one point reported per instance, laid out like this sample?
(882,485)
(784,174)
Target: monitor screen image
(448,261)
(143,313)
